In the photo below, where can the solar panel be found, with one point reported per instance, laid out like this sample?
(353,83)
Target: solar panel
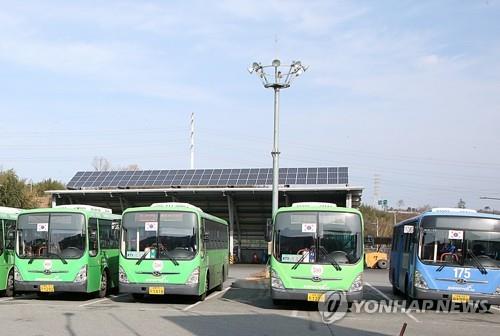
(246,177)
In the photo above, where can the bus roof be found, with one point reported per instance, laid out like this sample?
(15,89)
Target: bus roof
(317,206)
(450,212)
(76,208)
(9,213)
(175,206)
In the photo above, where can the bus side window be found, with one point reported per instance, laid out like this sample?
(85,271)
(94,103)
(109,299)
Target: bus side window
(109,233)
(395,239)
(409,239)
(93,237)
(115,233)
(10,234)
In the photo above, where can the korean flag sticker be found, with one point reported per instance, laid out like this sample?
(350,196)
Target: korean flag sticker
(151,226)
(309,227)
(455,234)
(42,227)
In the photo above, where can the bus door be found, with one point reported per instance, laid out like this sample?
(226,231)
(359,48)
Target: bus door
(94,262)
(409,232)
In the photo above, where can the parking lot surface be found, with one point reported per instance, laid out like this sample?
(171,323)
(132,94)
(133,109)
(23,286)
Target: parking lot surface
(242,308)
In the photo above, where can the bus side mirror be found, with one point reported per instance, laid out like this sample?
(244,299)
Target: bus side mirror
(269,230)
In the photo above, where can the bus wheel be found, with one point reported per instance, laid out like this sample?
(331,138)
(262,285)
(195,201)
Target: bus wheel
(103,288)
(219,287)
(395,290)
(9,291)
(203,296)
(278,302)
(483,308)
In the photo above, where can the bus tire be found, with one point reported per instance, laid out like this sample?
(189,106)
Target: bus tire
(407,293)
(395,290)
(221,285)
(382,264)
(483,308)
(203,295)
(9,290)
(278,302)
(103,286)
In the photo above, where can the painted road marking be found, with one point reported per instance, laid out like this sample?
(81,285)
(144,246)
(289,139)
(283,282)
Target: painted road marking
(211,296)
(389,299)
(92,302)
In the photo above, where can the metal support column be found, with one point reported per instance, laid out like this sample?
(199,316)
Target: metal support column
(238,231)
(348,200)
(231,224)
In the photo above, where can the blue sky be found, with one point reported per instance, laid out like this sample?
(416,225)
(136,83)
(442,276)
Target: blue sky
(409,90)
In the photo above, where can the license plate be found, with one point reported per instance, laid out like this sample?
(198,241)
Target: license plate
(316,297)
(461,298)
(47,288)
(156,290)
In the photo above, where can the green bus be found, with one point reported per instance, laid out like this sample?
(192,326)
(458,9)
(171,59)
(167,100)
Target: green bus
(172,248)
(8,217)
(316,248)
(68,248)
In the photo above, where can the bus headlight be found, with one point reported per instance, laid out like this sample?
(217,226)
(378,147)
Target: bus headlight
(81,276)
(122,276)
(17,275)
(276,281)
(194,278)
(357,284)
(420,281)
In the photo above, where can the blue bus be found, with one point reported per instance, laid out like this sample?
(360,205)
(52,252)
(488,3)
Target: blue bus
(447,254)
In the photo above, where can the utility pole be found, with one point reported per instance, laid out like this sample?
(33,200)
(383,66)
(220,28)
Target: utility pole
(280,78)
(191,147)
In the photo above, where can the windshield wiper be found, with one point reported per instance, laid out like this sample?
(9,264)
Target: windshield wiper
(331,259)
(143,257)
(172,259)
(476,260)
(300,260)
(59,256)
(440,268)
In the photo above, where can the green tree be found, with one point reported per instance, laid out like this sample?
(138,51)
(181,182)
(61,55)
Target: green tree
(47,184)
(14,192)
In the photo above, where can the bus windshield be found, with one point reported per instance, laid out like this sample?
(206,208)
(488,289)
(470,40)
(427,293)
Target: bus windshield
(159,235)
(54,235)
(320,236)
(444,244)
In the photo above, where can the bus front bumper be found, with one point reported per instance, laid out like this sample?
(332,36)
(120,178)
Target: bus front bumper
(438,295)
(143,288)
(59,286)
(302,294)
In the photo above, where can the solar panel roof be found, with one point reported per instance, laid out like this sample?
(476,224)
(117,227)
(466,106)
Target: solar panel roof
(246,177)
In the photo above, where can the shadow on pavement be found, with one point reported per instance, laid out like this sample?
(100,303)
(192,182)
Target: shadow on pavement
(259,324)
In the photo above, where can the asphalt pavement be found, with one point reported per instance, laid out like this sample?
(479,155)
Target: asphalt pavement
(242,308)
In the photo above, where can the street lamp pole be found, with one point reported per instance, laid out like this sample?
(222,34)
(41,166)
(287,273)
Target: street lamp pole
(280,78)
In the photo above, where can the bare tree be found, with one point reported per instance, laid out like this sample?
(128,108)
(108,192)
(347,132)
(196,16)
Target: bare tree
(401,204)
(132,167)
(100,163)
